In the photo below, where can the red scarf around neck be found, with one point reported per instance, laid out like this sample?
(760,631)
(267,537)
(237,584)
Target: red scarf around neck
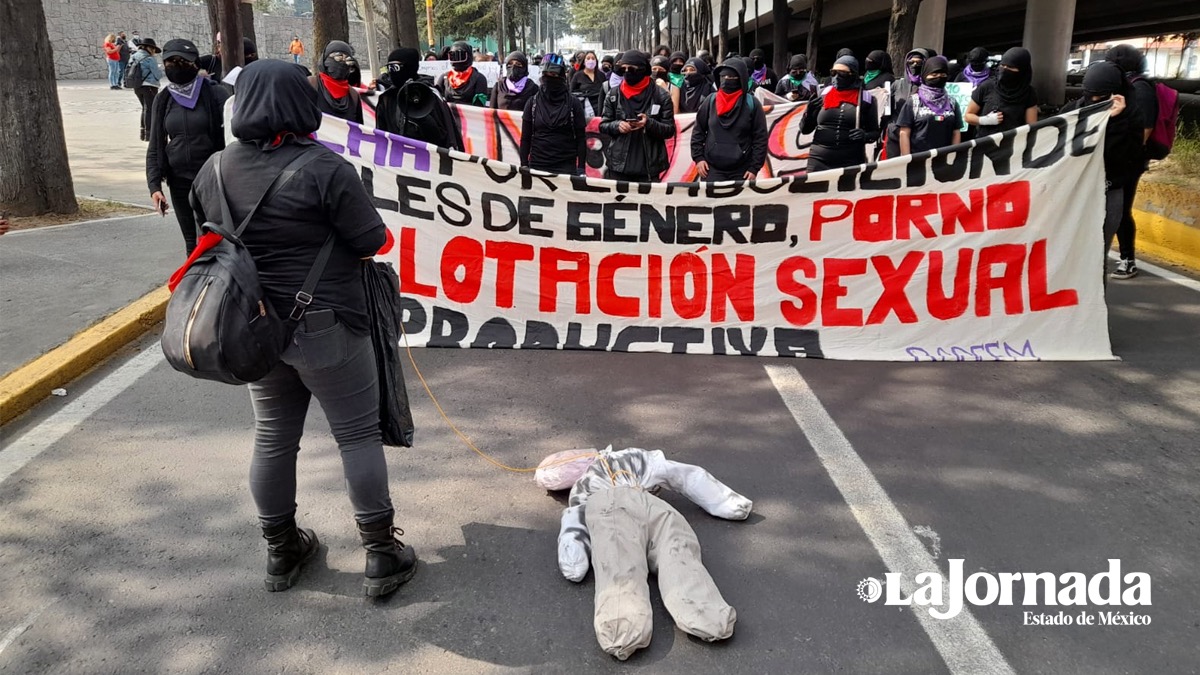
(835,97)
(726,101)
(459,80)
(339,88)
(632,90)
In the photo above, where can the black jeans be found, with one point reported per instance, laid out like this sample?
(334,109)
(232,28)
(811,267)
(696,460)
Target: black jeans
(1127,231)
(628,177)
(180,189)
(145,96)
(338,367)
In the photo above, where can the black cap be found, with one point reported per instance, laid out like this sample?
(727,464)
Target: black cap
(181,48)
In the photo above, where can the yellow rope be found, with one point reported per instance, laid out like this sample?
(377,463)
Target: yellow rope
(464,437)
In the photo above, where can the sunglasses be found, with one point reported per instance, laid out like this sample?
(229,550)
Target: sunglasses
(341,57)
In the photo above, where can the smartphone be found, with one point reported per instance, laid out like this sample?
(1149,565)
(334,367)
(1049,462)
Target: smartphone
(318,320)
(633,120)
(162,208)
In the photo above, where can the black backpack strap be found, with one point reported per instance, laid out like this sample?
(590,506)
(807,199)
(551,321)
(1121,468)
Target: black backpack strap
(304,296)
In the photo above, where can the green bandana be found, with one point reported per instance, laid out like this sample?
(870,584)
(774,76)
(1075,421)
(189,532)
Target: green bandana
(870,75)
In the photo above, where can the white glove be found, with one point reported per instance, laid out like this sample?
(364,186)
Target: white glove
(989,120)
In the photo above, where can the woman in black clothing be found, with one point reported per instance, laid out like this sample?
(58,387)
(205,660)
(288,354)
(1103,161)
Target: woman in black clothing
(553,128)
(410,107)
(588,82)
(1008,101)
(638,118)
(335,96)
(797,85)
(697,85)
(842,120)
(878,70)
(516,89)
(187,125)
(729,141)
(462,84)
(976,71)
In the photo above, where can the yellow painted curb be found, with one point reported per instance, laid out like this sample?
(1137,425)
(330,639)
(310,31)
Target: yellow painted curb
(1168,239)
(23,388)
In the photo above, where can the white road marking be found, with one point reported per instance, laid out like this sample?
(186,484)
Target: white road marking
(50,228)
(15,633)
(33,442)
(961,641)
(1157,271)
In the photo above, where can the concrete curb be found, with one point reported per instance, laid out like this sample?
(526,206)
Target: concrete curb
(23,388)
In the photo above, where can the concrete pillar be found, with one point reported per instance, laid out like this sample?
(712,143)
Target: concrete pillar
(1048,28)
(931,25)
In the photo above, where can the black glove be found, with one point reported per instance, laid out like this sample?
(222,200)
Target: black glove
(858,135)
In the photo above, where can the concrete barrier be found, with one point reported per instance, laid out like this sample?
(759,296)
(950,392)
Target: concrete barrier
(1168,223)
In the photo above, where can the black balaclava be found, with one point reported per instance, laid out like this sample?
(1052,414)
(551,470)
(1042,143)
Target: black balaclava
(607,60)
(932,67)
(521,71)
(707,57)
(660,62)
(274,97)
(678,60)
(338,70)
(640,64)
(1019,58)
(701,76)
(844,82)
(403,64)
(978,58)
(875,60)
(249,51)
(798,62)
(1104,79)
(844,51)
(758,58)
(1129,58)
(914,70)
(461,56)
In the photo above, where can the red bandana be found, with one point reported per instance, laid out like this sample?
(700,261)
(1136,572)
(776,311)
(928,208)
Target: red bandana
(459,80)
(726,101)
(835,97)
(631,90)
(339,88)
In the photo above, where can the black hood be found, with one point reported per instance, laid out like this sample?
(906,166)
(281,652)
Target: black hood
(1128,57)
(736,65)
(274,97)
(1104,78)
(881,60)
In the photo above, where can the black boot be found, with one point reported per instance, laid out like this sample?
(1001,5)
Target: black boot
(389,562)
(288,547)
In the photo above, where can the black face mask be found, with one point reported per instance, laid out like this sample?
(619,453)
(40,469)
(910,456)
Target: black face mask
(517,72)
(554,84)
(181,74)
(871,65)
(634,76)
(915,68)
(677,68)
(694,80)
(660,75)
(844,81)
(1009,77)
(936,81)
(605,68)
(757,61)
(978,66)
(338,70)
(730,84)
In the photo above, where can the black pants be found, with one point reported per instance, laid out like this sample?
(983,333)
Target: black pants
(628,177)
(146,96)
(717,174)
(180,189)
(1127,231)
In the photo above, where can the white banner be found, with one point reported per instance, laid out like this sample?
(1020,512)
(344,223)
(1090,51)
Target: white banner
(986,251)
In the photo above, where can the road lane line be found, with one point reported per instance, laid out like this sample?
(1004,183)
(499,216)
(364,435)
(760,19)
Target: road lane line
(25,625)
(1186,282)
(961,641)
(24,448)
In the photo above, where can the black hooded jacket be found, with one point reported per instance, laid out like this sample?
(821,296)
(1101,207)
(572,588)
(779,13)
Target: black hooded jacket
(326,195)
(1123,156)
(735,143)
(181,140)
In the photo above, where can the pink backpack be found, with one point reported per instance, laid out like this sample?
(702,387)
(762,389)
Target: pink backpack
(1163,135)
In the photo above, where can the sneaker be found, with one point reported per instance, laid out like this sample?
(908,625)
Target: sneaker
(1126,269)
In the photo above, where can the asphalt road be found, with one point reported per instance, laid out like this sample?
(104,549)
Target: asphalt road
(129,543)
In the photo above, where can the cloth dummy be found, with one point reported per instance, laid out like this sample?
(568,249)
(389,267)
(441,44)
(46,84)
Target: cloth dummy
(628,533)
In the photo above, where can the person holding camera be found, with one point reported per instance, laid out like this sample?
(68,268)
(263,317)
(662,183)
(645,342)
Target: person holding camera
(639,118)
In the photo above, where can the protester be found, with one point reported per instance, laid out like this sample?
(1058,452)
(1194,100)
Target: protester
(729,140)
(588,82)
(553,126)
(760,72)
(1123,139)
(330,355)
(797,85)
(639,120)
(661,50)
(659,71)
(903,89)
(430,56)
(1008,101)
(697,85)
(675,68)
(149,72)
(112,57)
(707,57)
(187,125)
(614,77)
(210,64)
(411,107)
(878,70)
(249,52)
(335,96)
(296,49)
(514,90)
(1133,63)
(930,119)
(842,120)
(463,84)
(977,71)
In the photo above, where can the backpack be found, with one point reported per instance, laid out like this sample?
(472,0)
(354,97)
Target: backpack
(1163,135)
(134,75)
(219,324)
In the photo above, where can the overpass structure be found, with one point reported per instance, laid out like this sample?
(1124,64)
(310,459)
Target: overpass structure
(1048,28)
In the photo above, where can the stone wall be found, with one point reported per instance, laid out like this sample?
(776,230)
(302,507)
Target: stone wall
(77,29)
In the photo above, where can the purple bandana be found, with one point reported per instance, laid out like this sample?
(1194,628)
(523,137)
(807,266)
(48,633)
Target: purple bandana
(518,86)
(976,78)
(187,95)
(935,99)
(759,75)
(614,80)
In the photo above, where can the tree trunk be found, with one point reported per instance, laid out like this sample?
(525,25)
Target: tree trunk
(901,29)
(656,18)
(246,14)
(781,19)
(214,23)
(723,28)
(406,11)
(814,33)
(393,16)
(330,22)
(232,54)
(34,175)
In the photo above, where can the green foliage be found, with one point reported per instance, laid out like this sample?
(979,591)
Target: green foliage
(590,18)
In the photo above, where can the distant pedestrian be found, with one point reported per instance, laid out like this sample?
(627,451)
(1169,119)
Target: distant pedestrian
(123,45)
(136,40)
(146,76)
(296,49)
(112,56)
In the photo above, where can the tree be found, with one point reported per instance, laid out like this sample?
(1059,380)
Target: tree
(781,19)
(331,21)
(901,29)
(723,28)
(232,54)
(814,32)
(34,175)
(402,18)
(246,17)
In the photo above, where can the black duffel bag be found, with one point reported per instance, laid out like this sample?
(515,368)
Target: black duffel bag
(382,287)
